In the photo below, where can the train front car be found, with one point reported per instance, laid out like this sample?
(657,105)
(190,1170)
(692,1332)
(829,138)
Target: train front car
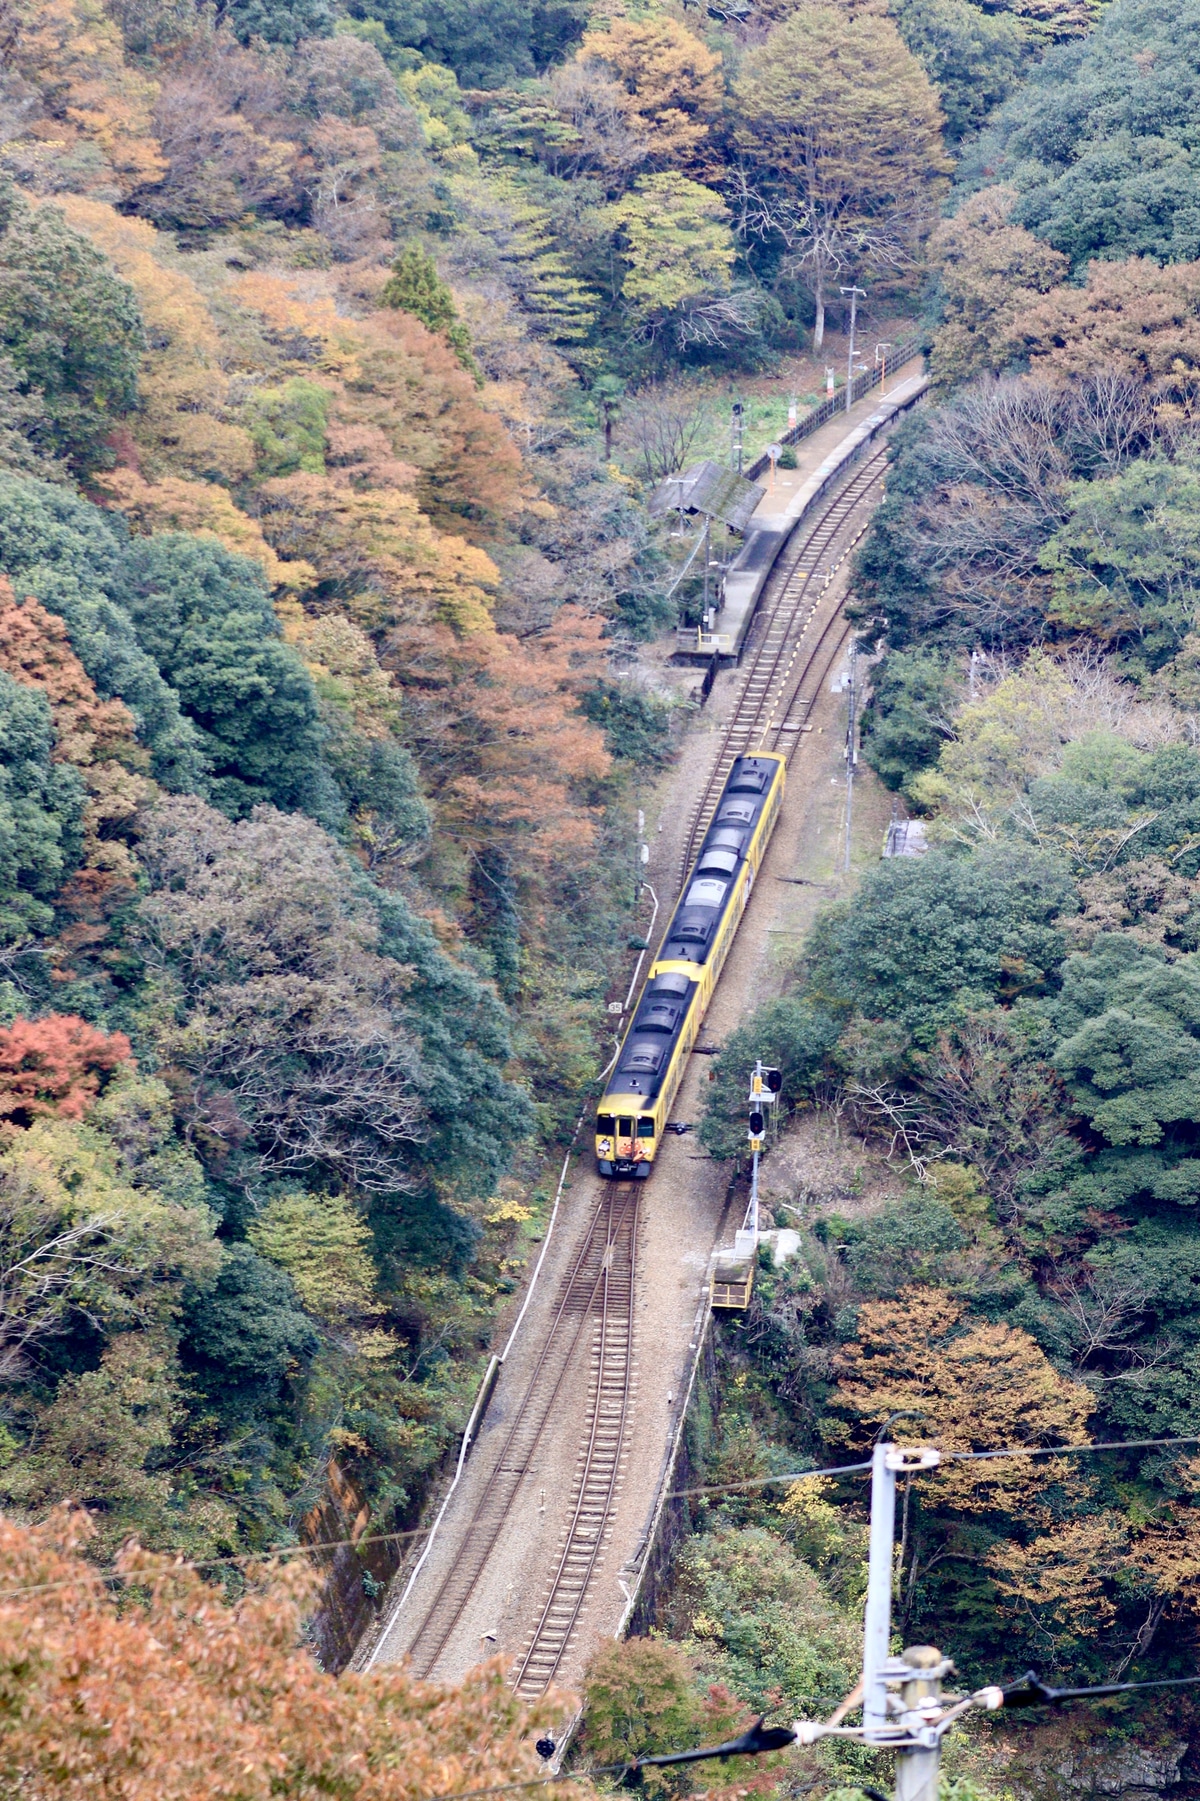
(633,1112)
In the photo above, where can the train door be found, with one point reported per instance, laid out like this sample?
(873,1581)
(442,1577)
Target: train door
(626,1138)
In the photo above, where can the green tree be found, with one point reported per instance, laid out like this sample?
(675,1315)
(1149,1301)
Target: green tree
(789,1034)
(640,1697)
(1100,143)
(277,21)
(416,287)
(105,1441)
(972,57)
(69,555)
(841,131)
(913,695)
(245,1333)
(487,47)
(323,1244)
(205,616)
(1126,565)
(676,244)
(288,426)
(1130,1054)
(928,939)
(70,326)
(759,1619)
(41,812)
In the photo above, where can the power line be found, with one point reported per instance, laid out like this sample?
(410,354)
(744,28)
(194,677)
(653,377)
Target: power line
(1036,1693)
(852,1469)
(760,1739)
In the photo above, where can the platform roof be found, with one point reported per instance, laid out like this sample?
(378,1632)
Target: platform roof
(708,488)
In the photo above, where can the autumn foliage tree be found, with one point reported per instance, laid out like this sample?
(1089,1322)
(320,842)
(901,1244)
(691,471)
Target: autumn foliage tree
(53,1067)
(171,1692)
(967,1387)
(670,86)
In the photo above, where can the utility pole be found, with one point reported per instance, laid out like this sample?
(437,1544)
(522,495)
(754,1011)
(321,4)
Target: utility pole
(851,749)
(908,1721)
(707,532)
(854,294)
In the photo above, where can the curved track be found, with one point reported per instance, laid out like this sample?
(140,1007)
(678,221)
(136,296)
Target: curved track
(595,1301)
(802,633)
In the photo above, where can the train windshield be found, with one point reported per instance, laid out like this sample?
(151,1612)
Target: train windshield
(606,1124)
(645,1127)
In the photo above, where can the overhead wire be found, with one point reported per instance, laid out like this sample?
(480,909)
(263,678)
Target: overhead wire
(1033,1693)
(270,1553)
(853,1469)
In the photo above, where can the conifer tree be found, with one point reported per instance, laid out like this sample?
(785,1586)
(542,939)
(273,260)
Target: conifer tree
(416,287)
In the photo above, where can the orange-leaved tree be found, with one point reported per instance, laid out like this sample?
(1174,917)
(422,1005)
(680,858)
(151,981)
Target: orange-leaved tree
(671,82)
(964,1386)
(1029,1527)
(70,57)
(171,1692)
(1132,318)
(52,1067)
(506,752)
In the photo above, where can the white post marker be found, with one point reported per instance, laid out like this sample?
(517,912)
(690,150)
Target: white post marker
(774,451)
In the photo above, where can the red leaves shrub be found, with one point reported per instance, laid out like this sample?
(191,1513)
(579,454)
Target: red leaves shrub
(53,1066)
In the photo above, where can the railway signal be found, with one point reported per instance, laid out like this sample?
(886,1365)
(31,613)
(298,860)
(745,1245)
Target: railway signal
(765,1084)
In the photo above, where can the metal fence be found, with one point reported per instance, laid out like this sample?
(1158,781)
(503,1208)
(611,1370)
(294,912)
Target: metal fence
(836,403)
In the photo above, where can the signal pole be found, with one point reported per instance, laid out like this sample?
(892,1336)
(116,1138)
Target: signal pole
(765,1084)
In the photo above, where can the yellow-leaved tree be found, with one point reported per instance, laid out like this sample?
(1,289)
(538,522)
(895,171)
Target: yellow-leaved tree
(1030,1525)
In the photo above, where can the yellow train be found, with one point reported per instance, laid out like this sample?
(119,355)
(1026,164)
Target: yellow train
(633,1111)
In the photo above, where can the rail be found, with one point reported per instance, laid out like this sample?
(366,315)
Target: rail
(595,1300)
(862,384)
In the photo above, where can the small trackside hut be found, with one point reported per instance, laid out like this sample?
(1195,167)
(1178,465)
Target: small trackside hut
(633,1111)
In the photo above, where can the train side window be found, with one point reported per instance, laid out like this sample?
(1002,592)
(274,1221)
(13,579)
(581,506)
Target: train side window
(606,1125)
(625,1128)
(646,1126)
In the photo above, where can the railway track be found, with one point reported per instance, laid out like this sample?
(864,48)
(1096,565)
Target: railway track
(803,634)
(599,1469)
(594,1308)
(800,636)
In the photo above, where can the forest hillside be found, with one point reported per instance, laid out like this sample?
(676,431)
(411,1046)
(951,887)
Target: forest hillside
(341,344)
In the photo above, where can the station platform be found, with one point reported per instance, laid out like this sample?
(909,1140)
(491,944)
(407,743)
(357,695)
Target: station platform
(821,460)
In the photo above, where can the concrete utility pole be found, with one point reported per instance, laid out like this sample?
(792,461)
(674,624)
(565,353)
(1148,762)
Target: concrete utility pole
(902,1703)
(917,1770)
(851,747)
(854,294)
